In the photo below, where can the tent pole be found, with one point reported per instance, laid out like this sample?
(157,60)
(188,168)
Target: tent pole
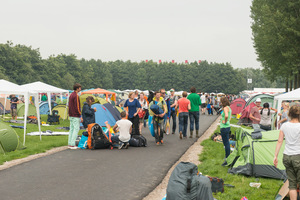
(4,106)
(67,105)
(26,96)
(38,116)
(49,102)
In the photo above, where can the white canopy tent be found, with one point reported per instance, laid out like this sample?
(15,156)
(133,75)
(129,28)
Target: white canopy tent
(41,87)
(293,95)
(8,88)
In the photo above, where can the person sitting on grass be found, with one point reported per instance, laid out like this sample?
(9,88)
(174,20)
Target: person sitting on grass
(124,126)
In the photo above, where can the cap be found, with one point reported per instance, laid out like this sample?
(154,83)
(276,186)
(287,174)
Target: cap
(172,90)
(258,100)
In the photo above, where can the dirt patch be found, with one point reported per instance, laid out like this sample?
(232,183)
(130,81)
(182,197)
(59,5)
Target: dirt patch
(32,157)
(191,155)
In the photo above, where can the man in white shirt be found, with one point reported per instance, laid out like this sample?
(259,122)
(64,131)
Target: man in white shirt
(124,126)
(203,103)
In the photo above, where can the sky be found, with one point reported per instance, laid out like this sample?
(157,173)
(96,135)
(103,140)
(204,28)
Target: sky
(137,30)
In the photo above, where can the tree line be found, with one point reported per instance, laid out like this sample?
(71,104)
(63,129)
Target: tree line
(276,35)
(22,64)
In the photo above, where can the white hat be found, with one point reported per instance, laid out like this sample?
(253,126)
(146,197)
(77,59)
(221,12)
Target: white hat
(258,100)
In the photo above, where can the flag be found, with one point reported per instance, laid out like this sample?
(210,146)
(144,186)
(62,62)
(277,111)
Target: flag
(146,61)
(173,61)
(159,61)
(186,61)
(199,61)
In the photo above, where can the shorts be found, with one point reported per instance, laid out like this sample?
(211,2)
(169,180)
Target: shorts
(292,167)
(141,120)
(203,105)
(13,112)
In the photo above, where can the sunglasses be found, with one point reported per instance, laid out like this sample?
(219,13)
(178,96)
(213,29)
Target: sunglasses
(163,93)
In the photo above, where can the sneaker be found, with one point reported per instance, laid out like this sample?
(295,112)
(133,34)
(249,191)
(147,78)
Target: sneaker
(73,147)
(224,163)
(173,133)
(121,145)
(184,137)
(157,143)
(180,135)
(161,141)
(126,145)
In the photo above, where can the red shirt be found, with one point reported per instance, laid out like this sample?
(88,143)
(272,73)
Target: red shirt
(74,105)
(183,105)
(255,112)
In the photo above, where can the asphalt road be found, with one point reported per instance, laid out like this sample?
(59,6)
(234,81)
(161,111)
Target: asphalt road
(126,174)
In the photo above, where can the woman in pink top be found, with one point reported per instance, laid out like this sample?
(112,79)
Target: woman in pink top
(184,107)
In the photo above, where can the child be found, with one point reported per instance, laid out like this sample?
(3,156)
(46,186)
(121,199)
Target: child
(125,127)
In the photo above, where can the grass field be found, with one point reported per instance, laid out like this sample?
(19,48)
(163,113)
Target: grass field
(211,159)
(33,143)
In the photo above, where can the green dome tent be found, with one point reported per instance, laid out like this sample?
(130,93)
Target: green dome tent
(63,111)
(9,140)
(21,110)
(265,98)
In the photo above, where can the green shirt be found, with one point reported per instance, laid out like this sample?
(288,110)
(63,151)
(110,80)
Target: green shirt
(195,102)
(227,124)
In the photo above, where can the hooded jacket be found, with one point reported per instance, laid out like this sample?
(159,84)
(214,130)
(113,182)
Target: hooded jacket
(88,115)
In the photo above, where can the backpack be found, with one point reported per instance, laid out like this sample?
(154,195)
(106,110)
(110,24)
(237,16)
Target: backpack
(138,141)
(184,183)
(97,139)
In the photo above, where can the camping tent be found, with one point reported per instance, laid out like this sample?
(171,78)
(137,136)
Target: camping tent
(265,98)
(245,117)
(293,95)
(101,91)
(113,110)
(6,103)
(254,157)
(44,107)
(63,111)
(21,110)
(237,106)
(11,88)
(41,87)
(9,140)
(102,115)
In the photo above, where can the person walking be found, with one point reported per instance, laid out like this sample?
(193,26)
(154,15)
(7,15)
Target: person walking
(194,111)
(158,119)
(88,113)
(134,107)
(266,115)
(142,111)
(74,116)
(291,154)
(184,107)
(173,106)
(166,125)
(203,103)
(225,126)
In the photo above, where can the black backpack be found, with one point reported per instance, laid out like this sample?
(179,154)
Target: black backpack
(138,141)
(97,139)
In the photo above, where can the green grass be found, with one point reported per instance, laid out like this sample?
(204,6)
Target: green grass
(211,159)
(33,143)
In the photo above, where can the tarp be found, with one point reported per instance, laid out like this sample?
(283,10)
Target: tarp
(102,115)
(237,106)
(254,157)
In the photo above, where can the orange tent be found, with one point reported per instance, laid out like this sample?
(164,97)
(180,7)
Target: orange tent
(101,91)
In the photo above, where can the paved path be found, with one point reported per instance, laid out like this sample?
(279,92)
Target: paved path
(99,174)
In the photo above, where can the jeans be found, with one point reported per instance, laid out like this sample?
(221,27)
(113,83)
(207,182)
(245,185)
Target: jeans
(183,122)
(156,125)
(225,137)
(74,129)
(173,116)
(135,123)
(115,139)
(194,117)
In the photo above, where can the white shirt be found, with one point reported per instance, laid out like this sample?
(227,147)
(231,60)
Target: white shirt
(203,99)
(265,118)
(124,126)
(292,138)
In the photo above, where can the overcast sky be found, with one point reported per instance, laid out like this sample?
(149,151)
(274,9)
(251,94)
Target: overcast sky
(136,30)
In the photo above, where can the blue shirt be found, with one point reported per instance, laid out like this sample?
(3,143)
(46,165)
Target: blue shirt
(132,107)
